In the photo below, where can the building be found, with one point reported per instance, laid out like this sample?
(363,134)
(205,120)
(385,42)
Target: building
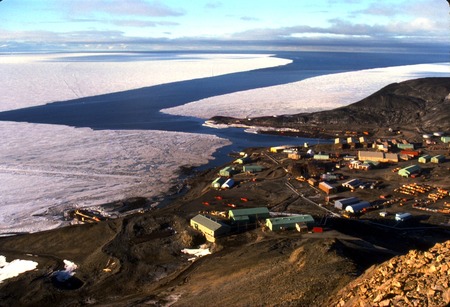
(445,139)
(217,183)
(248,215)
(351,140)
(344,202)
(327,188)
(425,159)
(252,168)
(243,160)
(279,148)
(338,141)
(411,153)
(289,222)
(227,171)
(294,155)
(210,228)
(370,155)
(312,182)
(404,146)
(329,177)
(358,207)
(352,184)
(228,184)
(321,157)
(402,216)
(438,159)
(377,156)
(410,170)
(390,157)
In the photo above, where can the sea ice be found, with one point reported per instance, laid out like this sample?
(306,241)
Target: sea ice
(47,168)
(309,95)
(31,79)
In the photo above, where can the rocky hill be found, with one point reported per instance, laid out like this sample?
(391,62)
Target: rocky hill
(415,279)
(420,104)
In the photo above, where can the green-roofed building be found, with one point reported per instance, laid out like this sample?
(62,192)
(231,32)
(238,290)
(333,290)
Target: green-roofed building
(321,157)
(289,222)
(250,214)
(408,171)
(252,168)
(405,146)
(210,228)
(445,139)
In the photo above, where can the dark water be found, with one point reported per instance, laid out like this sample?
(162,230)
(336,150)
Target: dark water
(140,108)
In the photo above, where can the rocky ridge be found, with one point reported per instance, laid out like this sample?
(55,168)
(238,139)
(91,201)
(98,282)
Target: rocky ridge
(415,279)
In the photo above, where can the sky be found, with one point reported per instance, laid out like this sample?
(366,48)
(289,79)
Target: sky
(224,25)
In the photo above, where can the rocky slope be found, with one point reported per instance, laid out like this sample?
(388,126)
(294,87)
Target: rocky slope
(419,104)
(415,279)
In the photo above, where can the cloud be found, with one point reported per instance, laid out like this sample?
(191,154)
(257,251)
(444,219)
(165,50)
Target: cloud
(142,23)
(213,4)
(121,7)
(247,18)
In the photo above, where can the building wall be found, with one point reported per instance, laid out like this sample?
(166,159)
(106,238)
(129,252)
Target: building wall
(437,159)
(202,228)
(288,222)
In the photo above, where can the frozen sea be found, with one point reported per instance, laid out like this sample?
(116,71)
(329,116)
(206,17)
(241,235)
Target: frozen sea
(85,129)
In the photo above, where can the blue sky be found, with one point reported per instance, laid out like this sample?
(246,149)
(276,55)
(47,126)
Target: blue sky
(225,24)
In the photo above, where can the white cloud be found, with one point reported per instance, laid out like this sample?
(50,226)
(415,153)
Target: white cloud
(121,7)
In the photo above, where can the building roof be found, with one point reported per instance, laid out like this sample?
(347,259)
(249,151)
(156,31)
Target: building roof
(291,219)
(249,211)
(367,155)
(425,157)
(438,157)
(326,184)
(347,201)
(207,222)
(411,169)
(252,167)
(357,207)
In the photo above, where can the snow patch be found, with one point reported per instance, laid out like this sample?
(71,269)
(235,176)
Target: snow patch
(197,252)
(14,268)
(69,271)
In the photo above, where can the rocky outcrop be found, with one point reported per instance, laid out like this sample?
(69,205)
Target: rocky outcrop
(415,279)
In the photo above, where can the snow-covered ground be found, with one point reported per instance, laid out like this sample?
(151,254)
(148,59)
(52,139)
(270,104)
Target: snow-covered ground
(309,95)
(46,168)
